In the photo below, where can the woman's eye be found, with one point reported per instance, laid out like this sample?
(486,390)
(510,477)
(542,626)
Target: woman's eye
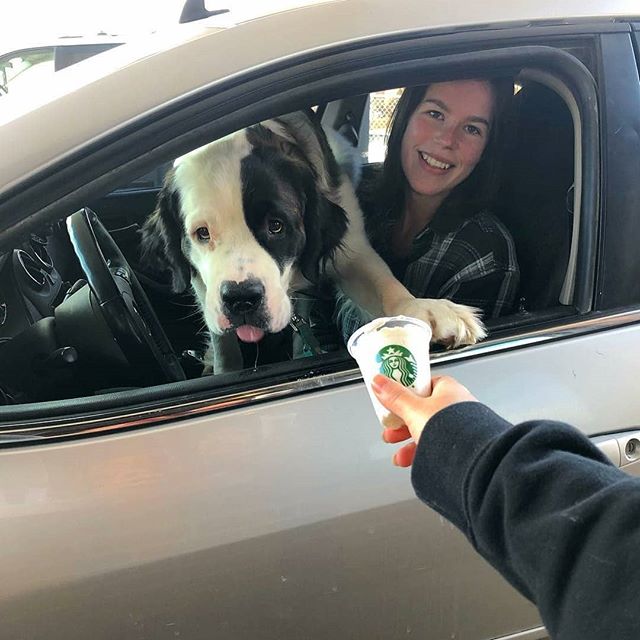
(202,233)
(436,115)
(274,226)
(473,130)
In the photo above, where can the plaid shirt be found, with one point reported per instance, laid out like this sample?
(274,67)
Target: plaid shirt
(471,261)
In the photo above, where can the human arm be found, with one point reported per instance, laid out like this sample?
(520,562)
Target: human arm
(538,501)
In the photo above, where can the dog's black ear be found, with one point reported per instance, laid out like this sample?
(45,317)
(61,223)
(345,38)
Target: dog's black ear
(325,224)
(325,221)
(161,238)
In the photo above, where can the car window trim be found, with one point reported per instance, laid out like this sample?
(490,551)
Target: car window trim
(619,261)
(18,426)
(568,286)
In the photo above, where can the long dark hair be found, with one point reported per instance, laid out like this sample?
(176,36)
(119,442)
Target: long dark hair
(387,194)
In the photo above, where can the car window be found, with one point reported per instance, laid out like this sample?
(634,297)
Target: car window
(50,312)
(24,69)
(46,264)
(381,106)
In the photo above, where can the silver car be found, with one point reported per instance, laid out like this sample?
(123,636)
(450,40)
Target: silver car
(137,502)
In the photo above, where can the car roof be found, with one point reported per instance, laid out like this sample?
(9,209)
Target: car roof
(161,68)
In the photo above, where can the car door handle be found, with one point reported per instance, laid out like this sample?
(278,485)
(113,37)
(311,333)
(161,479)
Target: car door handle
(623,449)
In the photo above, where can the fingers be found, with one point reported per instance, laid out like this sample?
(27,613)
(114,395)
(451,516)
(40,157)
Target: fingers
(392,436)
(404,456)
(401,401)
(414,410)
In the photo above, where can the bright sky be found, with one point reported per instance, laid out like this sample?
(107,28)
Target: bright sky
(26,22)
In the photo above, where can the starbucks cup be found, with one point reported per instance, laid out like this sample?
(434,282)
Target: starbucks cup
(397,347)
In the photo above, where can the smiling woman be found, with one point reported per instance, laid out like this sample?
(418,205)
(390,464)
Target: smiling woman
(428,208)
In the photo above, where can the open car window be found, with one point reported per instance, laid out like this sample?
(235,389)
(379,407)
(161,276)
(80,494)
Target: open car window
(70,345)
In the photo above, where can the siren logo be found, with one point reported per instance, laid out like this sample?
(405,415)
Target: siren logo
(398,363)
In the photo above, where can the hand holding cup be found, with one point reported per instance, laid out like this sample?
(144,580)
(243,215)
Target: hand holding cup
(415,411)
(398,348)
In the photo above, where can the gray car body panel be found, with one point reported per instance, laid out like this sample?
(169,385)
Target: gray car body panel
(281,520)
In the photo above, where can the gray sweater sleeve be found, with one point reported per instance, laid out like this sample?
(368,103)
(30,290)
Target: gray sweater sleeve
(546,508)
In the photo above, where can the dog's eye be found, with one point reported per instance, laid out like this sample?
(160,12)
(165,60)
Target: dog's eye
(202,233)
(275,226)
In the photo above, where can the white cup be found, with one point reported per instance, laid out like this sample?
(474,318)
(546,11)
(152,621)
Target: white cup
(397,347)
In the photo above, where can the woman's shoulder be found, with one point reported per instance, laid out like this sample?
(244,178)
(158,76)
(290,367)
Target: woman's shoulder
(489,223)
(488,233)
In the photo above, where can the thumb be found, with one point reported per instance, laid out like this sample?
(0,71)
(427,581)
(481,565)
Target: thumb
(400,400)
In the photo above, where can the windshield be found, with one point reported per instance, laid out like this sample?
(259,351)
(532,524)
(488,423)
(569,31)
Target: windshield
(22,67)
(69,31)
(26,69)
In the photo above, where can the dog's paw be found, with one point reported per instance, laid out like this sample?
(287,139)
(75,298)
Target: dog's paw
(452,324)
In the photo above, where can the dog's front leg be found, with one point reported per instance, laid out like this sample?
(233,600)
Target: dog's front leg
(365,277)
(367,280)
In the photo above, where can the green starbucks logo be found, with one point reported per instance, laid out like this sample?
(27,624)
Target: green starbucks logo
(398,363)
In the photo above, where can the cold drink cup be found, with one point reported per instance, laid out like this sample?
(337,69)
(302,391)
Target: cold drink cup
(397,347)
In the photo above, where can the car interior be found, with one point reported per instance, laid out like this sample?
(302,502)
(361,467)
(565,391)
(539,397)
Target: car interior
(81,315)
(541,153)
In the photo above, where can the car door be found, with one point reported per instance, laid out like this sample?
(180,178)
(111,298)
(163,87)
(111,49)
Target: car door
(265,504)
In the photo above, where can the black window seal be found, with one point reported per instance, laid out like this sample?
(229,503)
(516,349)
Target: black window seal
(618,271)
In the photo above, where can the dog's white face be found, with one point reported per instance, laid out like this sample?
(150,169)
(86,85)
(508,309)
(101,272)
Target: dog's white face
(244,215)
(237,280)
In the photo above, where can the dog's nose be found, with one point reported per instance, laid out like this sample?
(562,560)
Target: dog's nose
(242,297)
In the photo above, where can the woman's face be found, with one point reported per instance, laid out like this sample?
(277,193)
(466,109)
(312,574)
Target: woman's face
(446,135)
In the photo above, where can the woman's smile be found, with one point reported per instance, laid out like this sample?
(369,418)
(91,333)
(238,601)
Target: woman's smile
(446,136)
(433,163)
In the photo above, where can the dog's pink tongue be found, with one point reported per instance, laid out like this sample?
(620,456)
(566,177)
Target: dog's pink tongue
(247,333)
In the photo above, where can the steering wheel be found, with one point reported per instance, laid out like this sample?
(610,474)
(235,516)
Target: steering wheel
(123,302)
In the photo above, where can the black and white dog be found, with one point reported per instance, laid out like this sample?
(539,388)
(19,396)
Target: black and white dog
(251,216)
